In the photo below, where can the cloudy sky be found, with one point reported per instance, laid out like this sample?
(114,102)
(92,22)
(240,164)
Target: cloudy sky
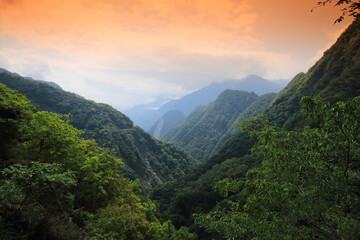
(127,52)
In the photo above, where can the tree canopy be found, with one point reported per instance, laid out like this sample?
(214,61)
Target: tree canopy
(56,185)
(308,184)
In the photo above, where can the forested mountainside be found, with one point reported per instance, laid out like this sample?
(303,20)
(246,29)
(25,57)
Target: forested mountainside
(169,120)
(202,130)
(193,193)
(15,74)
(148,159)
(146,117)
(334,77)
(56,185)
(256,108)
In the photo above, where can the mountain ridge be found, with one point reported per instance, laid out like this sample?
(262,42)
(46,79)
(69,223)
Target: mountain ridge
(201,130)
(148,159)
(147,117)
(233,160)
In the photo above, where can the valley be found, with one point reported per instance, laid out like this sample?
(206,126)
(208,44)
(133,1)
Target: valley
(246,158)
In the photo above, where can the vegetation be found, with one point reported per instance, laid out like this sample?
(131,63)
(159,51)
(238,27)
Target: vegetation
(202,129)
(145,116)
(333,78)
(256,108)
(56,185)
(193,193)
(308,185)
(300,181)
(146,158)
(180,198)
(350,7)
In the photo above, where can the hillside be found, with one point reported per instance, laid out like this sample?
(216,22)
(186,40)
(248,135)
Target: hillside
(145,117)
(334,77)
(193,193)
(202,129)
(56,185)
(256,108)
(148,159)
(17,75)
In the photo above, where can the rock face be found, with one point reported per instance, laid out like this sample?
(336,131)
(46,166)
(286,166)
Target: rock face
(169,120)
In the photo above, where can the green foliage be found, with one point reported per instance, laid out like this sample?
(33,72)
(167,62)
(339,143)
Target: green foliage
(333,78)
(256,108)
(146,158)
(126,222)
(180,198)
(33,197)
(56,185)
(47,137)
(14,108)
(203,128)
(307,186)
(118,222)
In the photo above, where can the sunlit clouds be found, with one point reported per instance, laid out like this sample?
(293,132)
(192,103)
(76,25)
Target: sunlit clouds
(126,52)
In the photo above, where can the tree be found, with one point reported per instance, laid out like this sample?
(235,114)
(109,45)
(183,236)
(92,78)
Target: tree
(351,7)
(37,201)
(56,185)
(308,185)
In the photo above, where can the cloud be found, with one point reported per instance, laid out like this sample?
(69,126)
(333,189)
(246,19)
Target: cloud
(126,52)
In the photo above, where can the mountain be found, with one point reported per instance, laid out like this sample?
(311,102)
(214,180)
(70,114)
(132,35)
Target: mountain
(56,185)
(42,81)
(145,117)
(148,159)
(257,107)
(334,77)
(169,120)
(202,132)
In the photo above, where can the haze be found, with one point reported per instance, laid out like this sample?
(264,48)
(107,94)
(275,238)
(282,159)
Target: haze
(128,52)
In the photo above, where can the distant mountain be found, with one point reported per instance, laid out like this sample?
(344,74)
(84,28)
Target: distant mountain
(256,108)
(42,81)
(145,117)
(169,120)
(203,128)
(336,76)
(148,159)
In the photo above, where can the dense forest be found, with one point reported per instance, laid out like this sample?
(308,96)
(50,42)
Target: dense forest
(206,129)
(194,192)
(75,169)
(307,186)
(57,185)
(146,158)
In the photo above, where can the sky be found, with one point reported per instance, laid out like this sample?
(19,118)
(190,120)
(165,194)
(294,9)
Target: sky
(128,52)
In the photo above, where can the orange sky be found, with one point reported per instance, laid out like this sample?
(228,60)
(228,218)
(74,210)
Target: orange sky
(121,51)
